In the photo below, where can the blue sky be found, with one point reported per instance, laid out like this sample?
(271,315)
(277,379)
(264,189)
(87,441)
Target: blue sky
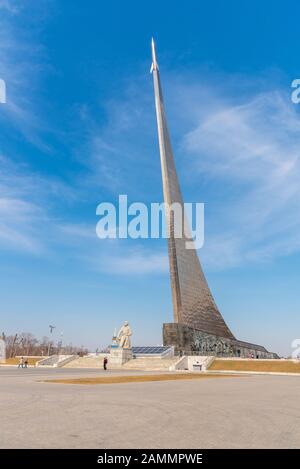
(78,128)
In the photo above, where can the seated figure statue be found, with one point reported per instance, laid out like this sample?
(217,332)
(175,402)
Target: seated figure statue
(123,336)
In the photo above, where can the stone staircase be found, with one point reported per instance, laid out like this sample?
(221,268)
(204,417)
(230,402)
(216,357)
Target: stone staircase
(150,364)
(48,361)
(193,363)
(55,361)
(140,363)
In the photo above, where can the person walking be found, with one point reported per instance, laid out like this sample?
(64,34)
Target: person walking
(21,363)
(105,361)
(26,363)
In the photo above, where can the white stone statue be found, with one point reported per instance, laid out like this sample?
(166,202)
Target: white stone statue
(123,336)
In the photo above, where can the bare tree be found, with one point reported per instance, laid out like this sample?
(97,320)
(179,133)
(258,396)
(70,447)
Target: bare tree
(27,344)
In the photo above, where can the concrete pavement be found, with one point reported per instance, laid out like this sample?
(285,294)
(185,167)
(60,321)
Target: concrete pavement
(239,412)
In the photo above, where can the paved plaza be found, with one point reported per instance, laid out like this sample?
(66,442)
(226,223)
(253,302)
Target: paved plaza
(238,412)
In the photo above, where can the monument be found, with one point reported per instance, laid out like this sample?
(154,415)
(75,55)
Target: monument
(120,349)
(198,324)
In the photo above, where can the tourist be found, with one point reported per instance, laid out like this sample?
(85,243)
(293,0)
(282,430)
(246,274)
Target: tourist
(26,363)
(105,361)
(21,363)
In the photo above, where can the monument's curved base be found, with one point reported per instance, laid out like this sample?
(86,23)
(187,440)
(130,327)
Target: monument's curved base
(187,340)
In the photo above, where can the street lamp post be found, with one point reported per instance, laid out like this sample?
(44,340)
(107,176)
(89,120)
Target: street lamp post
(49,345)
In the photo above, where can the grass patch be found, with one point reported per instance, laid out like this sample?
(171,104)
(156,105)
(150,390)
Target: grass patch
(279,366)
(137,378)
(16,360)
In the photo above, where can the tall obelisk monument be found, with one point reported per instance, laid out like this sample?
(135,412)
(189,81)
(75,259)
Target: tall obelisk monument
(193,302)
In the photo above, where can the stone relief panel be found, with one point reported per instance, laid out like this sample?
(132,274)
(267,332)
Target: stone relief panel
(206,343)
(189,340)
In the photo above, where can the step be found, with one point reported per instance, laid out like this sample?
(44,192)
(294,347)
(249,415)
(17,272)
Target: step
(154,364)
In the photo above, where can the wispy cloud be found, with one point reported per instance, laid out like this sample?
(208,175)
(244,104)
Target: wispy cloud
(131,261)
(78,230)
(22,62)
(252,149)
(10,6)
(26,195)
(138,262)
(17,220)
(243,143)
(115,144)
(241,139)
(26,223)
